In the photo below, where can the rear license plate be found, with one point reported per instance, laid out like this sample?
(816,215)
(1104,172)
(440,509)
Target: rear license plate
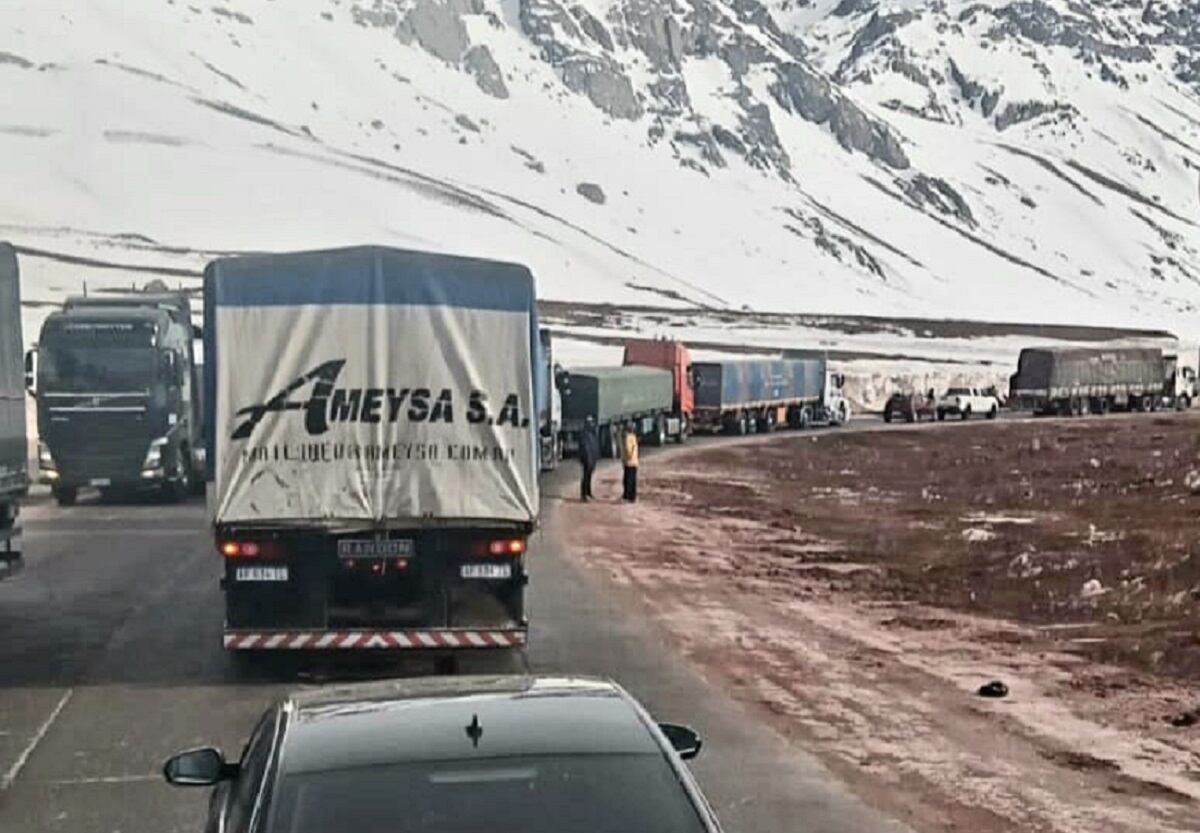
(370,548)
(261,574)
(493,571)
(100,481)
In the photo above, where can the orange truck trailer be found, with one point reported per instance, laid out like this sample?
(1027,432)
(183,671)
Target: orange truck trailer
(672,356)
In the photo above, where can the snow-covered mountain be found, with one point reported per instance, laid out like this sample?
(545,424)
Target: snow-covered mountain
(1032,160)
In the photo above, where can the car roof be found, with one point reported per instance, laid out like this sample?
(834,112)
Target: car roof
(460,718)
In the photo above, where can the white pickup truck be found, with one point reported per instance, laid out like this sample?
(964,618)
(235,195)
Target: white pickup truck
(963,402)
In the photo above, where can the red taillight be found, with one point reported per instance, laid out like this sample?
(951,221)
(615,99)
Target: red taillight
(507,546)
(247,549)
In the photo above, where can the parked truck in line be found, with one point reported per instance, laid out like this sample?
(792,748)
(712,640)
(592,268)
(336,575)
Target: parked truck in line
(14,456)
(551,381)
(618,396)
(118,405)
(759,395)
(675,357)
(1075,380)
(374,431)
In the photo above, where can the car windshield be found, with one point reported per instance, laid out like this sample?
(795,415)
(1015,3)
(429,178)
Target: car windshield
(637,793)
(958,392)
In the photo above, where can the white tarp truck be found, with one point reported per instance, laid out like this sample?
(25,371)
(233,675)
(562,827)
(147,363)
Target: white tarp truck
(374,427)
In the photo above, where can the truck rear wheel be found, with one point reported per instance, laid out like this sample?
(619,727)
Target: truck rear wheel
(684,428)
(65,495)
(182,487)
(607,441)
(966,413)
(1183,403)
(660,431)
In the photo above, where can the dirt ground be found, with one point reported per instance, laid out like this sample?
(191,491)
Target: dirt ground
(860,588)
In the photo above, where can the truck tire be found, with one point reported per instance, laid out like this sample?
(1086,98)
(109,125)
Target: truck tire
(65,495)
(607,443)
(1103,406)
(445,665)
(805,419)
(181,489)
(684,427)
(966,413)
(887,417)
(742,426)
(993,412)
(660,431)
(941,415)
(1183,403)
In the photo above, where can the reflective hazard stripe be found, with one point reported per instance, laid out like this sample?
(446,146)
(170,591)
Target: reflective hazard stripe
(374,640)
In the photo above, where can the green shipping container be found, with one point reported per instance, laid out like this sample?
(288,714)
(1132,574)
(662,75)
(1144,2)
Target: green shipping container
(609,393)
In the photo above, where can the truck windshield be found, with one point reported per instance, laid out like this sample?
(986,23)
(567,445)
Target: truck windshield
(101,369)
(556,794)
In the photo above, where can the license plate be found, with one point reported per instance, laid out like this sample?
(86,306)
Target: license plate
(494,571)
(261,574)
(100,481)
(370,548)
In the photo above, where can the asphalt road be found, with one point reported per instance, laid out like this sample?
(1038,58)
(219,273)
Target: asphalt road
(110,659)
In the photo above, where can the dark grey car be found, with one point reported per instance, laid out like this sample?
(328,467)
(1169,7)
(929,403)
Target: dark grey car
(455,755)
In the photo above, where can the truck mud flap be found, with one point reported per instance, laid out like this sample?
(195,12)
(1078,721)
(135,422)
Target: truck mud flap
(436,639)
(11,561)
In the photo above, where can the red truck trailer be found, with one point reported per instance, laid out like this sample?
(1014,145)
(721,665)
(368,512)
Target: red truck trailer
(672,356)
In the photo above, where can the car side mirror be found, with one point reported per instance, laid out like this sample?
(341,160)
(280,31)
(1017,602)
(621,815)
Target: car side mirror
(198,768)
(31,357)
(683,740)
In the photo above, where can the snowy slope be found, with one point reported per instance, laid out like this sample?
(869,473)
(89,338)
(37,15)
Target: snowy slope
(938,159)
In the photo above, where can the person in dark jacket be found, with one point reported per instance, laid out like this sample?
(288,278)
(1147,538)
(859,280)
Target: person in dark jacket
(589,453)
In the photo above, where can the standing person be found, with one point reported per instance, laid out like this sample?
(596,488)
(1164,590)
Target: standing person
(629,458)
(589,452)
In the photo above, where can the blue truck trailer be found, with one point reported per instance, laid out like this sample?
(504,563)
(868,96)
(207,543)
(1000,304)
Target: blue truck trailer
(760,395)
(374,437)
(14,452)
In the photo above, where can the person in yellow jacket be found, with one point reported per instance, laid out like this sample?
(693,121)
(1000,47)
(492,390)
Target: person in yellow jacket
(629,459)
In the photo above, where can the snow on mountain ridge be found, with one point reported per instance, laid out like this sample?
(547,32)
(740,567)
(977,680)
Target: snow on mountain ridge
(836,157)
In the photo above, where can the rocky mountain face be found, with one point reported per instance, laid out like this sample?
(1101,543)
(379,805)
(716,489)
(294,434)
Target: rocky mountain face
(1027,79)
(1026,159)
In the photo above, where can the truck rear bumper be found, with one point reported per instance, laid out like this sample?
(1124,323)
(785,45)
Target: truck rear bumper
(429,639)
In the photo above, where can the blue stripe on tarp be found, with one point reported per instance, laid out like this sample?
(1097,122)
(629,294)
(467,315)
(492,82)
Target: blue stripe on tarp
(371,275)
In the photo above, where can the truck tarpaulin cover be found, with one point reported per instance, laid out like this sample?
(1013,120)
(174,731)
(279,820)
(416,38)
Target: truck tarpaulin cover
(12,378)
(371,385)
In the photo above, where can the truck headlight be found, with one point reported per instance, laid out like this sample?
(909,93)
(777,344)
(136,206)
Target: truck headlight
(154,454)
(45,459)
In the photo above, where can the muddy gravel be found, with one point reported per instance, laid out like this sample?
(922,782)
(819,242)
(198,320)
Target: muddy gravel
(860,588)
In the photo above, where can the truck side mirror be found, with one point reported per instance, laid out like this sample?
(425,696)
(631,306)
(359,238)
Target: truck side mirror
(31,371)
(562,379)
